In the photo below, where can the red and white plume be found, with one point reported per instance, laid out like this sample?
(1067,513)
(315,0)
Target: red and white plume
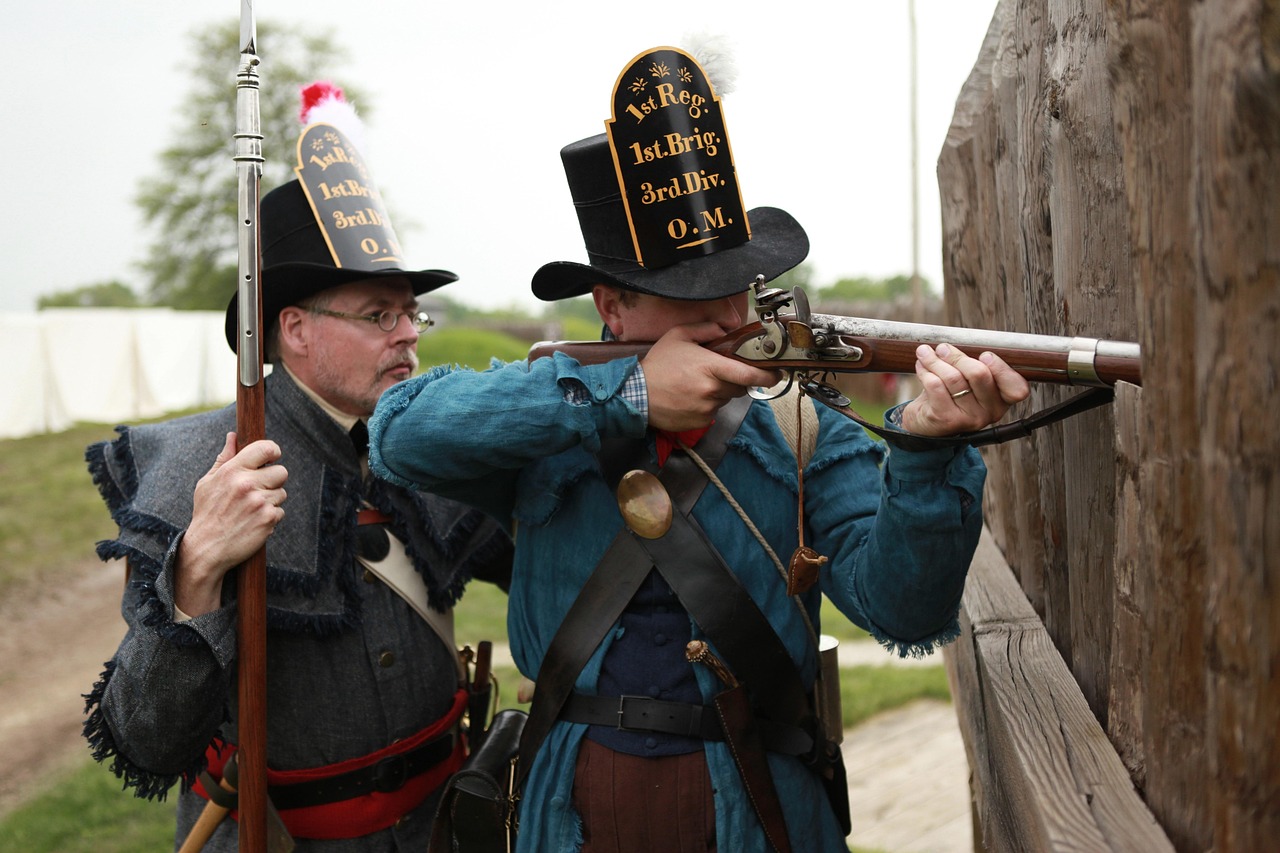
(322,102)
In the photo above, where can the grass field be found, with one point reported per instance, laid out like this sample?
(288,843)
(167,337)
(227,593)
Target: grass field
(50,512)
(50,517)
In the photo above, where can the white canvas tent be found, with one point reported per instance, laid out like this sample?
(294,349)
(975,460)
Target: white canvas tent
(109,365)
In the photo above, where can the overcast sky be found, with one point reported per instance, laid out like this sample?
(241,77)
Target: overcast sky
(472,103)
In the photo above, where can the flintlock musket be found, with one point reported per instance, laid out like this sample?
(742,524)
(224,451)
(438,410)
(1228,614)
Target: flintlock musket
(809,347)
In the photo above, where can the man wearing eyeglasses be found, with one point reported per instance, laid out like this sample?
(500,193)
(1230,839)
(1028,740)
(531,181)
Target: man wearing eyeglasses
(364,692)
(386,326)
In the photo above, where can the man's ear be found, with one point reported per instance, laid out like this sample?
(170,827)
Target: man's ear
(609,306)
(292,330)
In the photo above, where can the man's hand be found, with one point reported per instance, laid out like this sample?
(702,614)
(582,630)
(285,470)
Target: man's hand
(688,383)
(961,394)
(235,508)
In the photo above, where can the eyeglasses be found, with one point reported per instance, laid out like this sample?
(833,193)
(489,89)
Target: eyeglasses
(387,320)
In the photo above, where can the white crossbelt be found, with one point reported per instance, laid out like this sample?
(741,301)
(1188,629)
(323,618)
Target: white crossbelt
(397,572)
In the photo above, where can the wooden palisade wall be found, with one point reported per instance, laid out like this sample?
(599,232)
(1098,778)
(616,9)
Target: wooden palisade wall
(1113,170)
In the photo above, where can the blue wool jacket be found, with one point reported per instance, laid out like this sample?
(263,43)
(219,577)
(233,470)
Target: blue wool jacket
(899,534)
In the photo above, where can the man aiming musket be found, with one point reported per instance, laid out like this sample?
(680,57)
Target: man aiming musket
(674,545)
(812,348)
(362,678)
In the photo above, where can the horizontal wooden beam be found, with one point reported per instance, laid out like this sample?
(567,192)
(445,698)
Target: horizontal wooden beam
(1045,776)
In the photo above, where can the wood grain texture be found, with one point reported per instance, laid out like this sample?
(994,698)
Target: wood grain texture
(1113,169)
(1235,110)
(1046,776)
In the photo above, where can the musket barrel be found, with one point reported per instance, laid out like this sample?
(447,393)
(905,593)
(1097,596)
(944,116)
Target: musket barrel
(960,336)
(248,158)
(1074,360)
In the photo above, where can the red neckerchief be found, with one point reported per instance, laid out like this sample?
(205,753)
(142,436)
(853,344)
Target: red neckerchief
(668,441)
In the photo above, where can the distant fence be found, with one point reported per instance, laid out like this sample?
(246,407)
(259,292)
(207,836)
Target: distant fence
(109,365)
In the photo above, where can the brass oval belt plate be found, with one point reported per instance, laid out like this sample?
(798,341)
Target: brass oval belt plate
(644,504)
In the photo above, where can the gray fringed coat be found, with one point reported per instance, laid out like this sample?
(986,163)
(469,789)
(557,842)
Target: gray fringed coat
(351,668)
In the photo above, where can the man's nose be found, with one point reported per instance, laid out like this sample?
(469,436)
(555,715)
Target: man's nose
(405,329)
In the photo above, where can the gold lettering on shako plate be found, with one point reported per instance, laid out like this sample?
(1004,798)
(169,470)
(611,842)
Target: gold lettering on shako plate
(337,154)
(364,216)
(348,188)
(664,95)
(679,229)
(686,184)
(675,144)
(382,253)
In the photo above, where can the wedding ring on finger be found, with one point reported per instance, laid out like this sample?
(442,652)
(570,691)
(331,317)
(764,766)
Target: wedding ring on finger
(959,394)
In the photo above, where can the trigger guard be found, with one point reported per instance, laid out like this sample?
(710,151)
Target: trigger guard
(757,392)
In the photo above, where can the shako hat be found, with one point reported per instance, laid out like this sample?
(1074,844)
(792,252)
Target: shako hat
(657,195)
(330,226)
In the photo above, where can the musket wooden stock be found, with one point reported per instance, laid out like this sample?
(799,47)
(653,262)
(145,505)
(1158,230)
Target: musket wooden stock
(878,355)
(251,652)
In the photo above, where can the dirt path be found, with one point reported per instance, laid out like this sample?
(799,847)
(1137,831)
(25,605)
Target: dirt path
(52,647)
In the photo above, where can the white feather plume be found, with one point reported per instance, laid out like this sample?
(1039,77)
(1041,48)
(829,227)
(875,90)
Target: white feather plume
(714,52)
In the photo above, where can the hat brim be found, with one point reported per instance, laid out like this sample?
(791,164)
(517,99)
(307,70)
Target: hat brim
(288,284)
(778,243)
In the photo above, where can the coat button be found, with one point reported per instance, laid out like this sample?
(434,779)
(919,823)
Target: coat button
(369,577)
(386,659)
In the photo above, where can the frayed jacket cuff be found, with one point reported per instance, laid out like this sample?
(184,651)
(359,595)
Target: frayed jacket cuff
(217,628)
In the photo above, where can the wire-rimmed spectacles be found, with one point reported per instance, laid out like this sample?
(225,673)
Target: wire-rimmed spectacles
(387,320)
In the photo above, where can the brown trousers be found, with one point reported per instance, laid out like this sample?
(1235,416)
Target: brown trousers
(632,804)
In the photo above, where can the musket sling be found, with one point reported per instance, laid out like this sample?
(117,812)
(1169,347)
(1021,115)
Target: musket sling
(1090,398)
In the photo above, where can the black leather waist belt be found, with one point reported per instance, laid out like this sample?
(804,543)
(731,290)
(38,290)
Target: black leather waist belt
(385,776)
(642,714)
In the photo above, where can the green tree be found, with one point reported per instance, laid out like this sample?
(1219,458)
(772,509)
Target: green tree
(798,276)
(462,313)
(581,308)
(191,203)
(877,289)
(106,294)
